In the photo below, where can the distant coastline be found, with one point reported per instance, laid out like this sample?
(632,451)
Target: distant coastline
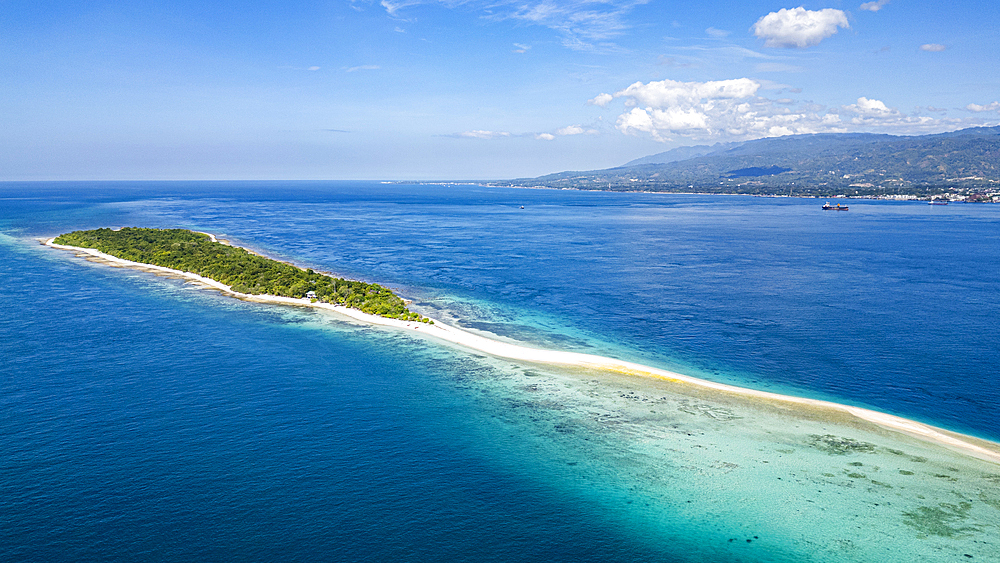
(958,195)
(954,166)
(963,195)
(975,447)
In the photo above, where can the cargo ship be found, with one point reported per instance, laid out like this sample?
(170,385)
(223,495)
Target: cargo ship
(837,207)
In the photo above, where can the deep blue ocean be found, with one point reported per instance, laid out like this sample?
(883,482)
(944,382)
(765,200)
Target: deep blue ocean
(144,419)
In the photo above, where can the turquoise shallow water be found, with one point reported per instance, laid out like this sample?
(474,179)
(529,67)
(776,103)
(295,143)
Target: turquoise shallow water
(145,419)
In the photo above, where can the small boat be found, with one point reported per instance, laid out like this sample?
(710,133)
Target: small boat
(937,202)
(837,207)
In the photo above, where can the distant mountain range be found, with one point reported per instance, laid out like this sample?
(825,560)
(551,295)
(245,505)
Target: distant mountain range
(821,165)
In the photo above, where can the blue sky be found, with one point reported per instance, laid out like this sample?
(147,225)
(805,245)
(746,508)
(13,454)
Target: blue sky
(453,89)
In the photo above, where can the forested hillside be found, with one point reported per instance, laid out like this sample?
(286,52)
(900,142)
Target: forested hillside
(820,165)
(245,272)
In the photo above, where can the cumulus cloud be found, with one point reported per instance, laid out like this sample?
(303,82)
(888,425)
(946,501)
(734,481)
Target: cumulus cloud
(576,130)
(601,100)
(798,27)
(695,109)
(870,108)
(874,6)
(992,106)
(565,131)
(673,93)
(868,114)
(932,47)
(480,134)
(733,109)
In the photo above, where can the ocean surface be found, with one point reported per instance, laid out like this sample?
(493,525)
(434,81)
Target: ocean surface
(145,419)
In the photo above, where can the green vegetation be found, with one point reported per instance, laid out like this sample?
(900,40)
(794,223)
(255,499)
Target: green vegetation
(188,251)
(957,166)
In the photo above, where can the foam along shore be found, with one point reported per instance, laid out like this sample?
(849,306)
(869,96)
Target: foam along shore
(975,447)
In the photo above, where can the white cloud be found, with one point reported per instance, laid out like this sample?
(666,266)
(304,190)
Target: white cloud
(692,109)
(575,130)
(673,93)
(671,120)
(870,108)
(869,114)
(583,24)
(798,27)
(933,47)
(874,6)
(479,134)
(393,7)
(520,48)
(992,106)
(601,100)
(544,136)
(313,68)
(732,109)
(362,67)
(720,33)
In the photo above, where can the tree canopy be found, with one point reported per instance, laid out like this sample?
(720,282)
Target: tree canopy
(244,272)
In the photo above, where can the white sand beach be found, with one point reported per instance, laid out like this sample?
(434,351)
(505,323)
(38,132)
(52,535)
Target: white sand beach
(975,447)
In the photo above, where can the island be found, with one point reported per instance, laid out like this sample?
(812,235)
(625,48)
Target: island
(242,271)
(201,258)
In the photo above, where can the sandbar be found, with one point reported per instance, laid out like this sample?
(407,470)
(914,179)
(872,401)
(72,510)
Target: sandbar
(975,447)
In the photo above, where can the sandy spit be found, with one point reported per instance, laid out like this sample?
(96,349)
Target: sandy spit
(975,447)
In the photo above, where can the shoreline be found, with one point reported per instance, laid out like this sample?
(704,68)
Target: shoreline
(887,196)
(952,440)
